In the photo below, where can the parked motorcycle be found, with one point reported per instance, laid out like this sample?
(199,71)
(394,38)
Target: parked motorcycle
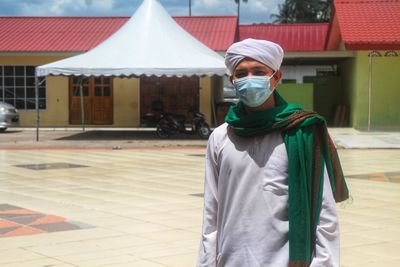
(170,124)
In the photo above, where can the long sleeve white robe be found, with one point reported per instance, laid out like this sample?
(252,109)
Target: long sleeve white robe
(245,221)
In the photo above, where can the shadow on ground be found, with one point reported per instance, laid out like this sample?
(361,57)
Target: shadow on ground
(10,132)
(125,135)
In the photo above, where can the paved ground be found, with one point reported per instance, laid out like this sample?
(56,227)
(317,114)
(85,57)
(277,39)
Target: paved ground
(347,138)
(141,205)
(94,138)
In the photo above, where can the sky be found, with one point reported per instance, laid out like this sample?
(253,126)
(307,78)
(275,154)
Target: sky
(254,11)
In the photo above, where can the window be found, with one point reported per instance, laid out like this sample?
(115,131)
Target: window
(17,87)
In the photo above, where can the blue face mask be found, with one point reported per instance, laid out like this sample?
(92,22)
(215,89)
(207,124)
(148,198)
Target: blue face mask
(253,90)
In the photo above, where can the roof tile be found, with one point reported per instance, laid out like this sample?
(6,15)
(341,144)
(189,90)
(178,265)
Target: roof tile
(292,37)
(78,34)
(369,24)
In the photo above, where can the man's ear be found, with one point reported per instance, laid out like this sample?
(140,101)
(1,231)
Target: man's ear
(278,75)
(276,78)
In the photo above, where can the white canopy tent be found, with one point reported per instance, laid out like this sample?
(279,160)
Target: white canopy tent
(149,43)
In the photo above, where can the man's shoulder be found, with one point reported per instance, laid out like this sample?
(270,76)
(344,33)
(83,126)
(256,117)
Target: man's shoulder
(218,134)
(221,130)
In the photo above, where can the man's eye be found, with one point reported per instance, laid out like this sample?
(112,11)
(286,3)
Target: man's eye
(240,75)
(260,73)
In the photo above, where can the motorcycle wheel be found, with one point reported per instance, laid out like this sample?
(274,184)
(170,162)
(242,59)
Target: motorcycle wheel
(204,130)
(162,130)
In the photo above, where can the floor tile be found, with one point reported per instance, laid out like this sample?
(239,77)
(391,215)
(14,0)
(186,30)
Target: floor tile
(146,208)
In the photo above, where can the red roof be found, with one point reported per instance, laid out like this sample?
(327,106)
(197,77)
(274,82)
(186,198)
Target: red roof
(78,34)
(292,37)
(369,24)
(217,32)
(55,34)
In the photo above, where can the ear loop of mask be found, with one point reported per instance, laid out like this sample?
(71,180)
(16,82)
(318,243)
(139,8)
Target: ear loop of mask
(272,76)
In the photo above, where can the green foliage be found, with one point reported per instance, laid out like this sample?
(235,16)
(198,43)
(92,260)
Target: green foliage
(303,11)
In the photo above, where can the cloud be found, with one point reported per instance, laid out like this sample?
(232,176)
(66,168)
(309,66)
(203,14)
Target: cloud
(8,8)
(254,11)
(258,11)
(64,7)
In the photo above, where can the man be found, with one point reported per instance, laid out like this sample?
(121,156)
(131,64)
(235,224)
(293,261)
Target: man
(272,174)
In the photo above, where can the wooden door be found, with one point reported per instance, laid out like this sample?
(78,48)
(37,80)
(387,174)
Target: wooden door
(75,101)
(102,101)
(97,100)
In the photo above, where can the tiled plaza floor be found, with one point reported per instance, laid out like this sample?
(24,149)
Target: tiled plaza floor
(17,221)
(143,207)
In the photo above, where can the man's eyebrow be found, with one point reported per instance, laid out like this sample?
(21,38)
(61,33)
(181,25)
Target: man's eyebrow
(239,70)
(259,68)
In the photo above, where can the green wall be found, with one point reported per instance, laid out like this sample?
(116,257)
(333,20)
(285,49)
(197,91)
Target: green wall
(347,71)
(328,93)
(301,94)
(385,91)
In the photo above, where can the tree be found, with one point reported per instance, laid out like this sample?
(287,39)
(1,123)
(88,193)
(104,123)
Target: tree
(285,13)
(303,11)
(238,7)
(326,9)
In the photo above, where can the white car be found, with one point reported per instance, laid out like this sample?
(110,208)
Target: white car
(9,116)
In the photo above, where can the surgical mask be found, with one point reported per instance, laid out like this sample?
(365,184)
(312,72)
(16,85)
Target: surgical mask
(253,90)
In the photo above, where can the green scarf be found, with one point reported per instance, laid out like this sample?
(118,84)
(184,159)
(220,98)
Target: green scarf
(309,147)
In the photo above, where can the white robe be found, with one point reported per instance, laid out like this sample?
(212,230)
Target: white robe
(245,220)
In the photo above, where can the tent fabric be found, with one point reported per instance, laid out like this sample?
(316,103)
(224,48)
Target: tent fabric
(149,43)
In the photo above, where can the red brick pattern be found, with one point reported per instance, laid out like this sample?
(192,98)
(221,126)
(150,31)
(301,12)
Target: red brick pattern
(16,221)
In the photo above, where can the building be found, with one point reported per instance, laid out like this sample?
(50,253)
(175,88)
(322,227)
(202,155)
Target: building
(370,78)
(347,70)
(119,102)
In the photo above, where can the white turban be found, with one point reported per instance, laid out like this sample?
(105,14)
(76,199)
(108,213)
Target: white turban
(268,53)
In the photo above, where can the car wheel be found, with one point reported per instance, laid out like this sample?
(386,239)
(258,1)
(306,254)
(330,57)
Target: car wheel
(2,130)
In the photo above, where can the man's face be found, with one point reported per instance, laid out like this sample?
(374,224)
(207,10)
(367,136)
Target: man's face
(251,67)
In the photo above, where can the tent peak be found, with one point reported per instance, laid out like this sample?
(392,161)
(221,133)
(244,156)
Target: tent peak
(151,42)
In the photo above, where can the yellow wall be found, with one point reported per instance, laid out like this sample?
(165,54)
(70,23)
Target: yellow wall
(57,112)
(205,97)
(126,102)
(28,60)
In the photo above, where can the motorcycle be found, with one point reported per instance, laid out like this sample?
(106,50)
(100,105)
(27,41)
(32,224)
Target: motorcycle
(170,124)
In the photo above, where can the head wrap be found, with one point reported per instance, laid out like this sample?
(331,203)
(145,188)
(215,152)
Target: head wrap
(266,52)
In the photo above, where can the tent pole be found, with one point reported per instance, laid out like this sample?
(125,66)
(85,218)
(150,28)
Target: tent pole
(82,106)
(213,108)
(37,106)
(214,123)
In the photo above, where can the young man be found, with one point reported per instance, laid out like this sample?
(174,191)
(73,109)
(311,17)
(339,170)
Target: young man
(272,175)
